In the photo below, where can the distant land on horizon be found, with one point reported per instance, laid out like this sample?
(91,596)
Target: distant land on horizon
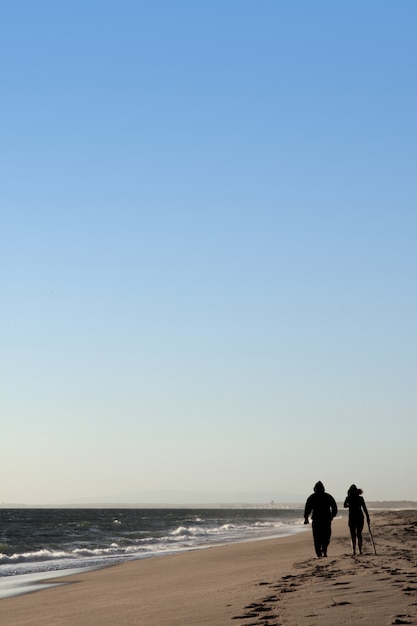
(175,500)
(383,505)
(193,500)
(193,497)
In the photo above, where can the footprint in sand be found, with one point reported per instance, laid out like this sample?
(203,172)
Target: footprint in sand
(245,616)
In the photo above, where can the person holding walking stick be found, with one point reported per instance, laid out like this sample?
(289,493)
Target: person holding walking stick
(357,508)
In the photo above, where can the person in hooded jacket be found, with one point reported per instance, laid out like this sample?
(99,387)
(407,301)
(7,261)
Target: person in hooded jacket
(323,508)
(356,504)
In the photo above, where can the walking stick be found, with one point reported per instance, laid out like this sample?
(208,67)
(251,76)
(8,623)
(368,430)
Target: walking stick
(372,537)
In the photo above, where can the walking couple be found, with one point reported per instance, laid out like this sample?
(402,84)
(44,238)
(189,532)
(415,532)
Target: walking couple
(323,508)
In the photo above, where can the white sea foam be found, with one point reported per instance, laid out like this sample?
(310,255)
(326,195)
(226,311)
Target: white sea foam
(71,538)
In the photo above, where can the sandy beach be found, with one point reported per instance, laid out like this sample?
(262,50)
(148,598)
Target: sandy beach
(258,583)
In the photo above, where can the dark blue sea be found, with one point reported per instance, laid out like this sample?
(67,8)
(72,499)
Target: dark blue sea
(44,542)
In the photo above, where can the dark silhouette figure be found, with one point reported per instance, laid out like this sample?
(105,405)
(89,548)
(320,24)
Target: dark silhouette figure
(357,507)
(322,508)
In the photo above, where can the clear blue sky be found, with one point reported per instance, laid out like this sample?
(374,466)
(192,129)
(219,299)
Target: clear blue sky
(208,248)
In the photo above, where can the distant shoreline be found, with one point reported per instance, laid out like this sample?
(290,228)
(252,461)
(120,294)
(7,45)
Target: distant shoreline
(376,505)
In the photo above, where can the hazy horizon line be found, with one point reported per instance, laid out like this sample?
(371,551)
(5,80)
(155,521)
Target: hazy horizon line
(176,505)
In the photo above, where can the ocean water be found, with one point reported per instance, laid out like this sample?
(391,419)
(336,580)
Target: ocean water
(42,543)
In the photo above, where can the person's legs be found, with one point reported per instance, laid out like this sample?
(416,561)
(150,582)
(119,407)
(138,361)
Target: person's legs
(317,538)
(352,529)
(359,533)
(326,534)
(321,534)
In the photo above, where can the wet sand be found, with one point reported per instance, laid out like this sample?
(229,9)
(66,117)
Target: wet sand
(259,583)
